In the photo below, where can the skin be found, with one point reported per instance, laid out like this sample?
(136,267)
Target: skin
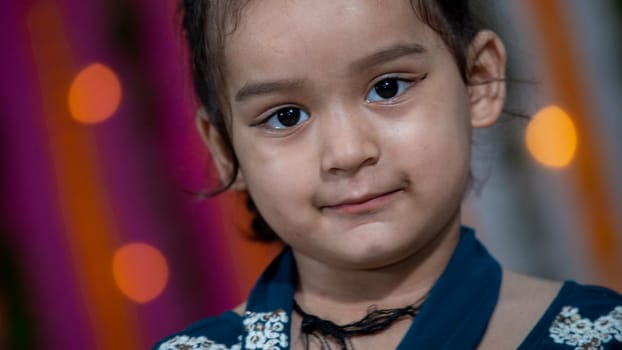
(366,191)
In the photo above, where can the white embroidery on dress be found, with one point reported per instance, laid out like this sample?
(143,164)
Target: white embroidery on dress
(266,330)
(571,329)
(184,342)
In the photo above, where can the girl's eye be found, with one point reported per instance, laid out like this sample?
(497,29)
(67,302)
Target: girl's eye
(387,89)
(286,118)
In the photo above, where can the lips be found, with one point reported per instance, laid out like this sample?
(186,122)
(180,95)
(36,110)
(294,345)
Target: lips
(364,203)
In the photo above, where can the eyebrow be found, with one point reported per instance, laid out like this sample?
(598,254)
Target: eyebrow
(388,54)
(252,89)
(266,87)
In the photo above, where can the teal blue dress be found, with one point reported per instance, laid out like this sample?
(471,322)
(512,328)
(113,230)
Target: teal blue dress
(454,316)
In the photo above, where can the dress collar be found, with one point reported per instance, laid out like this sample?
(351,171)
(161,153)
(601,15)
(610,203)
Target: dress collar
(454,316)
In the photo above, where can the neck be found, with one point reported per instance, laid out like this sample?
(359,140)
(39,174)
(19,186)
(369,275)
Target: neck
(342,295)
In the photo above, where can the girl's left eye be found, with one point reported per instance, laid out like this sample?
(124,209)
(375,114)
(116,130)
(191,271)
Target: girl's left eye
(284,118)
(387,89)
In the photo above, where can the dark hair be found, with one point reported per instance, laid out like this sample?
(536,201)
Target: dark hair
(206,23)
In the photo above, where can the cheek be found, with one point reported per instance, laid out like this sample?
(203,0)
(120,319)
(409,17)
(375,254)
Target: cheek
(435,141)
(275,164)
(279,178)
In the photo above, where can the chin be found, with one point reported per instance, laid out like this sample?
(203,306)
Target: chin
(377,246)
(374,254)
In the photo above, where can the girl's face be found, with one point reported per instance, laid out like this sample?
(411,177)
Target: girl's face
(351,125)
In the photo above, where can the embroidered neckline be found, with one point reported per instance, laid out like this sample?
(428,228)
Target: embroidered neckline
(571,329)
(264,331)
(184,342)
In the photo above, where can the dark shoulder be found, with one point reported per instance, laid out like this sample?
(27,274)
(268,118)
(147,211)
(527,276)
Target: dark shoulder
(579,317)
(590,297)
(222,331)
(585,302)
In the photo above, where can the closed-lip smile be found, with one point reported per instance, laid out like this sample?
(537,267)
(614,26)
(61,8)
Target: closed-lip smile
(362,204)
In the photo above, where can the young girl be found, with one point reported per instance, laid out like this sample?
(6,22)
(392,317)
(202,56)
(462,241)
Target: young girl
(349,125)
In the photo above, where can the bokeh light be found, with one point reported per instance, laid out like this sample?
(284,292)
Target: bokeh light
(140,271)
(551,137)
(95,94)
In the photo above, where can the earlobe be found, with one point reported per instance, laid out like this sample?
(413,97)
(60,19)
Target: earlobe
(486,78)
(221,153)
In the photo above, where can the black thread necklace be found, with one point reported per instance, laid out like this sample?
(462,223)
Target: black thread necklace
(375,321)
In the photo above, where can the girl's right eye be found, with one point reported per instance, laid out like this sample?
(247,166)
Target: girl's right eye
(285,118)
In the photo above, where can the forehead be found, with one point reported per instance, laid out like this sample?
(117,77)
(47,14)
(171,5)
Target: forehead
(299,36)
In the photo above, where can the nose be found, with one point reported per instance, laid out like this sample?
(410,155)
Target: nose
(349,142)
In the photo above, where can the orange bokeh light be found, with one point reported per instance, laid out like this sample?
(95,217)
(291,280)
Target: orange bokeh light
(95,94)
(551,137)
(140,271)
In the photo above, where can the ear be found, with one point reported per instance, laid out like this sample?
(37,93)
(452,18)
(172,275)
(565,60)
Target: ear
(221,154)
(486,78)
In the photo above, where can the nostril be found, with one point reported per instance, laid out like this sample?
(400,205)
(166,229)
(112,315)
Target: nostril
(351,165)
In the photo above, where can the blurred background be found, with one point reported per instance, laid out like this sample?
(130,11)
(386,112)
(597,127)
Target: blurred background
(104,246)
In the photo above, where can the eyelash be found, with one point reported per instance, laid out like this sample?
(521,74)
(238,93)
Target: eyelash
(289,112)
(402,86)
